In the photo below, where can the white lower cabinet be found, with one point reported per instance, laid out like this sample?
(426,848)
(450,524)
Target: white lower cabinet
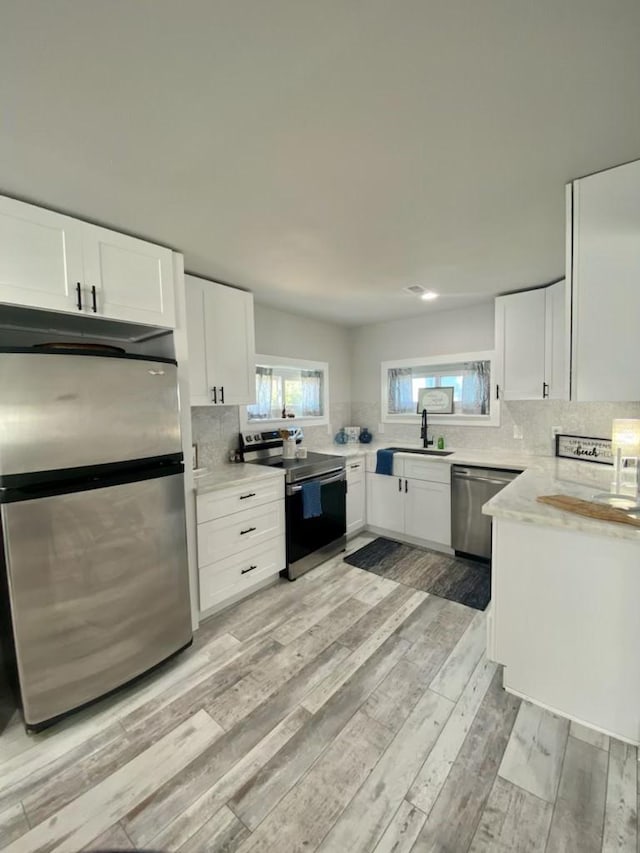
(427,511)
(356,495)
(385,502)
(239,548)
(416,508)
(226,578)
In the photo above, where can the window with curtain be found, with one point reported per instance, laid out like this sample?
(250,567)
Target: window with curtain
(289,388)
(470,379)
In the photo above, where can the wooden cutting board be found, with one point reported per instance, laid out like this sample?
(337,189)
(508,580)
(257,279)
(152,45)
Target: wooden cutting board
(590,509)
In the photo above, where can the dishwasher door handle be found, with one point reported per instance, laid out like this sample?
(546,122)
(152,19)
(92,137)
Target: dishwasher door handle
(475,479)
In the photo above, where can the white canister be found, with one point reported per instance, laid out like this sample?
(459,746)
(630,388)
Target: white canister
(353,434)
(289,448)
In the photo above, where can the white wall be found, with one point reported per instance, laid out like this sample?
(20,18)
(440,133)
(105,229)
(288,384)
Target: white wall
(293,336)
(464,330)
(279,333)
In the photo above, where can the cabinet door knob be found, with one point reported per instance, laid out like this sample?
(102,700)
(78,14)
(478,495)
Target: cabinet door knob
(406,486)
(497,392)
(545,390)
(79,296)
(94,305)
(400,485)
(214,394)
(222,395)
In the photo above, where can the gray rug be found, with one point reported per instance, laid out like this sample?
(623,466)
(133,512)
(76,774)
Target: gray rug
(465,581)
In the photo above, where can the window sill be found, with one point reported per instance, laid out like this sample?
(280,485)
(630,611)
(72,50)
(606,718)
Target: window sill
(285,422)
(492,420)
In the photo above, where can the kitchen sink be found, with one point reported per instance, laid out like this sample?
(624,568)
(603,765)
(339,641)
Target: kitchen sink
(421,450)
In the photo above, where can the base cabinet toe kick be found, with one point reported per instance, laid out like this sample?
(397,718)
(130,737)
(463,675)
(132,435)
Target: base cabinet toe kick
(564,623)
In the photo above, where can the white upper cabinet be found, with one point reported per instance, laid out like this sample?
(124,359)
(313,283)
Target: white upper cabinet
(520,320)
(555,342)
(40,257)
(128,279)
(530,341)
(58,263)
(604,265)
(221,339)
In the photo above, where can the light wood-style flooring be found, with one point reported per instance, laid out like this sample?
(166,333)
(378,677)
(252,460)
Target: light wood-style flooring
(340,713)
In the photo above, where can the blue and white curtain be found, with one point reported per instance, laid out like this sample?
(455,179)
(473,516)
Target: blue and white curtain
(475,388)
(264,394)
(400,390)
(312,393)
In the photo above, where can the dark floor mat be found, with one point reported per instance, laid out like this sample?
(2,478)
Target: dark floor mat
(465,581)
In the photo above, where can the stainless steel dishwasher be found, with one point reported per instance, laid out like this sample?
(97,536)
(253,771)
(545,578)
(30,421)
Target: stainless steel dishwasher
(471,488)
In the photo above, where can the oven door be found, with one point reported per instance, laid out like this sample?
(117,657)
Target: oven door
(310,541)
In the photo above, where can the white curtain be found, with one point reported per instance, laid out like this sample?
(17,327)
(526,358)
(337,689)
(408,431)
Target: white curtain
(400,390)
(475,388)
(312,393)
(264,394)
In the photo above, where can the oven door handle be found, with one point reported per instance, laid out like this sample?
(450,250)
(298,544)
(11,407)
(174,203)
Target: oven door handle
(291,490)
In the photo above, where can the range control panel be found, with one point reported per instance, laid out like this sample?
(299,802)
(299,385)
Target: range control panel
(269,437)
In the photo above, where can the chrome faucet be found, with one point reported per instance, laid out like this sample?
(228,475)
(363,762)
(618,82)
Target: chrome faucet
(424,433)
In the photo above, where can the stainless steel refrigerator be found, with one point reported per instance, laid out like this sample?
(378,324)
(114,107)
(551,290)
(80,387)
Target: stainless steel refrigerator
(93,523)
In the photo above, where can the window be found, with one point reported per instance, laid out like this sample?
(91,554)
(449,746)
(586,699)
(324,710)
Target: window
(469,374)
(289,389)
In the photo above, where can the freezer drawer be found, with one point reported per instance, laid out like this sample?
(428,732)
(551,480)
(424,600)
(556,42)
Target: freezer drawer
(98,586)
(64,411)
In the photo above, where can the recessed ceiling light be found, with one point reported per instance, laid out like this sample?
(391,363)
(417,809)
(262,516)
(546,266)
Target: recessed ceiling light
(429,295)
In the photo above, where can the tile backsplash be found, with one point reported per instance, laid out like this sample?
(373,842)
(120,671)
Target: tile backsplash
(534,417)
(216,428)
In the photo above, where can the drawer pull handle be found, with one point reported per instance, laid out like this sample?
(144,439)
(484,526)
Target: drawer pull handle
(357,465)
(250,569)
(250,495)
(248,530)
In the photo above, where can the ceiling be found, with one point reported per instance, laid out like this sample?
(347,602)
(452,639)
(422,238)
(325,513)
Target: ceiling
(324,154)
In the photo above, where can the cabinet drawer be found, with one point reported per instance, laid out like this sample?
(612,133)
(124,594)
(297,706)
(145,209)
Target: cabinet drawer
(224,536)
(236,498)
(355,470)
(225,578)
(420,469)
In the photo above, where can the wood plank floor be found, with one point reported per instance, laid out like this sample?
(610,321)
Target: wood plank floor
(340,713)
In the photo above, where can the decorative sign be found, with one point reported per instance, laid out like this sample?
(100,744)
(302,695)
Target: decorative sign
(437,401)
(584,448)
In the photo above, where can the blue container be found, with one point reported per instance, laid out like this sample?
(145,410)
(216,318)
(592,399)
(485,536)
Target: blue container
(365,436)
(341,437)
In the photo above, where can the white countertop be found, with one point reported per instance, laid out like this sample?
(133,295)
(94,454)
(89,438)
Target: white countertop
(543,475)
(234,474)
(551,476)
(464,456)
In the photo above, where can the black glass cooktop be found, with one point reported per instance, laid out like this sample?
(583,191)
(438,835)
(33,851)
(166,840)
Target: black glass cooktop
(300,469)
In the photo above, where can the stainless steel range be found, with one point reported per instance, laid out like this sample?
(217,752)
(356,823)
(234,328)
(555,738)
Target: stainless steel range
(315,498)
